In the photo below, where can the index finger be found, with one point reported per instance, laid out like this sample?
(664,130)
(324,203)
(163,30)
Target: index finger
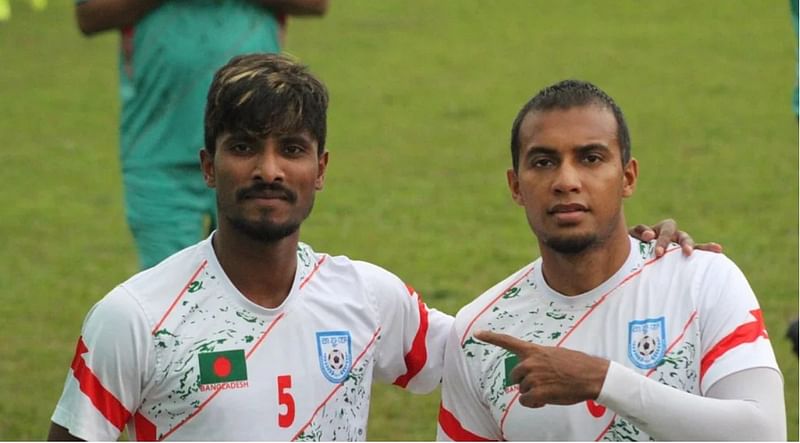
(505,341)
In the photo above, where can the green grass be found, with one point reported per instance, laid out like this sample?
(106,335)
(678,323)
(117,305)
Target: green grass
(423,95)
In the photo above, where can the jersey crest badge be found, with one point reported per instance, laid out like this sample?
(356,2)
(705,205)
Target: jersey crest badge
(335,354)
(647,342)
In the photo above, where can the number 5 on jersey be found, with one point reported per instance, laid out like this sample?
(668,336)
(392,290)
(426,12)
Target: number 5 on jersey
(285,398)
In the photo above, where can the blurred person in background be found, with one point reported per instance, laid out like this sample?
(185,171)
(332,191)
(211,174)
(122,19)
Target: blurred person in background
(169,51)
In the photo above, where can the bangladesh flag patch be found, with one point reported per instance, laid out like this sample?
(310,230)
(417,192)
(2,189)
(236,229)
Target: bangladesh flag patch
(222,367)
(511,362)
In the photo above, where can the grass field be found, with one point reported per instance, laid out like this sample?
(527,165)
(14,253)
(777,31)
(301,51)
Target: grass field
(423,95)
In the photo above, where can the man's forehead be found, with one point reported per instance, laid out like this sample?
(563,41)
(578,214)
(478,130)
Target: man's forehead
(577,125)
(304,135)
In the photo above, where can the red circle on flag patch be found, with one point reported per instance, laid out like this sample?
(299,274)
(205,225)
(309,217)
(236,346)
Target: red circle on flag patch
(222,367)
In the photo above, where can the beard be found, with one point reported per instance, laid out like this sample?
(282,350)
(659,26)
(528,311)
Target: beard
(573,244)
(261,228)
(264,231)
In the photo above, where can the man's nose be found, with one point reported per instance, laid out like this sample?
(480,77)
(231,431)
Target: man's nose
(567,179)
(269,166)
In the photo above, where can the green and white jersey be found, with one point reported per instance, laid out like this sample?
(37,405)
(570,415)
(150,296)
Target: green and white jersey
(685,322)
(166,64)
(178,353)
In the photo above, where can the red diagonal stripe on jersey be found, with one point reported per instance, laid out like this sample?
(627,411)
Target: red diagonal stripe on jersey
(585,316)
(102,399)
(338,385)
(145,429)
(745,333)
(514,283)
(416,357)
(677,340)
(313,271)
(452,427)
(214,394)
(183,291)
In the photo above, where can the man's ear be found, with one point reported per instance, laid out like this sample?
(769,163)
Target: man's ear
(321,168)
(630,175)
(513,185)
(207,166)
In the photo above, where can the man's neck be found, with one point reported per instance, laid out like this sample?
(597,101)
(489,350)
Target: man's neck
(262,272)
(574,274)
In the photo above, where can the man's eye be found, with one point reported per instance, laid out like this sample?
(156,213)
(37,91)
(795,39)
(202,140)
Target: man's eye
(293,149)
(241,148)
(593,158)
(542,163)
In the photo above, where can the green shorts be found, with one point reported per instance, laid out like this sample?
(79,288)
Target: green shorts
(168,209)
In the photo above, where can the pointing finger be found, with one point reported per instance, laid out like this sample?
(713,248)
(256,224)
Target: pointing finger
(505,341)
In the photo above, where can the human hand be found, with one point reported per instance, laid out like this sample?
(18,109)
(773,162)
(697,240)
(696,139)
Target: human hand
(550,375)
(666,231)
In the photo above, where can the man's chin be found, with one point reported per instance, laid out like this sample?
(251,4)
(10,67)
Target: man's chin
(265,232)
(570,244)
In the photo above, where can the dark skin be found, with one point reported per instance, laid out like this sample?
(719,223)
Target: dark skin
(95,16)
(264,271)
(571,185)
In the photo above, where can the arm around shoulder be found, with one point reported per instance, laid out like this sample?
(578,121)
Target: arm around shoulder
(95,16)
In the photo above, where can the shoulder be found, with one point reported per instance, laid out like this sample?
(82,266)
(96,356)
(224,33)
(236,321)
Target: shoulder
(673,263)
(173,273)
(471,315)
(357,272)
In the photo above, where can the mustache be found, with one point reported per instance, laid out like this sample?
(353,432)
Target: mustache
(267,190)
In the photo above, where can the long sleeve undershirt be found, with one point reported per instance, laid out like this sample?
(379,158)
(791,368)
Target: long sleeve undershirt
(746,405)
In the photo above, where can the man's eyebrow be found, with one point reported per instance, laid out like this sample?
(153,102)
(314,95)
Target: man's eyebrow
(536,149)
(592,147)
(295,138)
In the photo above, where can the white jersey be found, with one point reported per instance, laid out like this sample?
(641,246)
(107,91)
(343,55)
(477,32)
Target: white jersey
(684,322)
(178,353)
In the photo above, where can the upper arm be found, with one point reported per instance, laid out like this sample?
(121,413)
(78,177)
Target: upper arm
(733,332)
(463,416)
(113,360)
(410,353)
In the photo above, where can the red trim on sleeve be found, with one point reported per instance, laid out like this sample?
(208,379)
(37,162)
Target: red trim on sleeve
(452,427)
(145,429)
(105,402)
(416,358)
(745,333)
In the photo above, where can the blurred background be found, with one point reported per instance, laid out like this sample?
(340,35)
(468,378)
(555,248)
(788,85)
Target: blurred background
(423,94)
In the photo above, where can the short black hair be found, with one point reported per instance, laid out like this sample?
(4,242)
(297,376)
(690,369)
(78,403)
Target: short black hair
(569,94)
(264,94)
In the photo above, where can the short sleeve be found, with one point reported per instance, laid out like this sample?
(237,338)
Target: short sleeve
(112,361)
(463,416)
(410,352)
(734,336)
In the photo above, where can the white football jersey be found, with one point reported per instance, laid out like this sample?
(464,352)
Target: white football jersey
(683,321)
(178,353)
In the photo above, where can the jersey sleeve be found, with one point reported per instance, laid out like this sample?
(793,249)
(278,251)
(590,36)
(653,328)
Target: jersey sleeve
(734,336)
(463,415)
(410,351)
(108,371)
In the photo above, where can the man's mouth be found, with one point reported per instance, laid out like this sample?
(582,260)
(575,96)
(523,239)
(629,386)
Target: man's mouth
(567,208)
